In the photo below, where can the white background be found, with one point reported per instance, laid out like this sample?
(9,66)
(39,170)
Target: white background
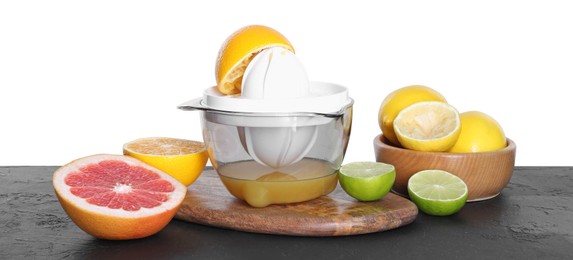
(79,78)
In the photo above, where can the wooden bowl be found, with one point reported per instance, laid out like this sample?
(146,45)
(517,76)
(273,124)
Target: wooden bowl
(485,173)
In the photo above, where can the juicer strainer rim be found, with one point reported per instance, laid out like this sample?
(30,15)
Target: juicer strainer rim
(198,104)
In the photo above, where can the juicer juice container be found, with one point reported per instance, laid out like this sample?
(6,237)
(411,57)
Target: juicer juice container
(277,157)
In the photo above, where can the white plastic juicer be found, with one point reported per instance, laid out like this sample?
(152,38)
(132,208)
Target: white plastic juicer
(281,121)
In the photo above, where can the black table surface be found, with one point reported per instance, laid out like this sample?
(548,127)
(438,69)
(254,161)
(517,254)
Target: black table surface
(531,219)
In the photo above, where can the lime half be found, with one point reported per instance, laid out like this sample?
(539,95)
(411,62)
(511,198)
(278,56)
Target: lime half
(437,192)
(367,181)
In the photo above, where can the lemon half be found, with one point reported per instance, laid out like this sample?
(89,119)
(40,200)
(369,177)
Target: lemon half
(400,99)
(430,126)
(239,49)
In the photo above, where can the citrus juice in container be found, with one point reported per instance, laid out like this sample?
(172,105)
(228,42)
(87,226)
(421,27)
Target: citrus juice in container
(307,180)
(277,137)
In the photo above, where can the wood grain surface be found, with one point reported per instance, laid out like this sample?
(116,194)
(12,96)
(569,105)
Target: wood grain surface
(485,173)
(337,214)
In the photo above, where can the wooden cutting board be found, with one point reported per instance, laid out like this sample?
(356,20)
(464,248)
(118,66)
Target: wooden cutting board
(337,214)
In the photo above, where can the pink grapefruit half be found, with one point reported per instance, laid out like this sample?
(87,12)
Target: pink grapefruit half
(117,197)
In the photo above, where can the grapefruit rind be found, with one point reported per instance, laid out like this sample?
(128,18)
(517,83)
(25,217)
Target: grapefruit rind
(116,224)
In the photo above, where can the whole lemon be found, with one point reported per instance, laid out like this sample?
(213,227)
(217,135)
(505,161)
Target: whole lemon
(400,99)
(480,133)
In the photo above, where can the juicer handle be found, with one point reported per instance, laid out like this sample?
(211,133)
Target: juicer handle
(193,104)
(340,112)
